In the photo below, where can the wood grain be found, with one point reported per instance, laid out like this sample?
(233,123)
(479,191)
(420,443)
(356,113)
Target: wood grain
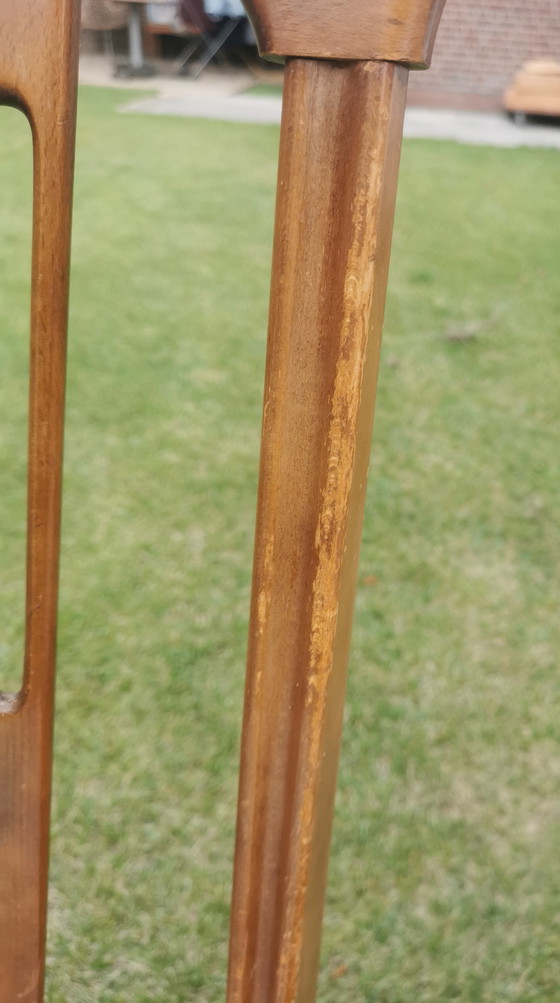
(38,72)
(401,31)
(339,154)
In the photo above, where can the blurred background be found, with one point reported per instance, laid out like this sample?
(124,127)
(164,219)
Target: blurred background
(479,50)
(445,874)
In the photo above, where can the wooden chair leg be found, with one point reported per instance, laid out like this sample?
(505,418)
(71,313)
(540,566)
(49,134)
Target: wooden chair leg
(339,155)
(38,73)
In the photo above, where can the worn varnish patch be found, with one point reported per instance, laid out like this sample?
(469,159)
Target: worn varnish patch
(338,165)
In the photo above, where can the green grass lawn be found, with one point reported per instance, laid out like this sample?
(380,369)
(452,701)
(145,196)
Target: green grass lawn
(445,875)
(265,91)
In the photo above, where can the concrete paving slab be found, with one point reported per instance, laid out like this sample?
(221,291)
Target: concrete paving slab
(223,96)
(255,110)
(99,71)
(479,128)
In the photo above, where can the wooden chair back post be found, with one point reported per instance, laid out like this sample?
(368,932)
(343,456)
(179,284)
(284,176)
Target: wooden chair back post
(344,100)
(38,71)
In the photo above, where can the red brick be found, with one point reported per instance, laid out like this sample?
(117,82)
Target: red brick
(480,46)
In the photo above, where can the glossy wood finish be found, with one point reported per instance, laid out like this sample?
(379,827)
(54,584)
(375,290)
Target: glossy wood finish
(401,31)
(38,71)
(340,147)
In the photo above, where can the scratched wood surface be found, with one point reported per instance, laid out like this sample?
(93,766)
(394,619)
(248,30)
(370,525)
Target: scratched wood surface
(344,100)
(38,69)
(341,137)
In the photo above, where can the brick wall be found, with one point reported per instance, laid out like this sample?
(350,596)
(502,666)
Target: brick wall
(479,47)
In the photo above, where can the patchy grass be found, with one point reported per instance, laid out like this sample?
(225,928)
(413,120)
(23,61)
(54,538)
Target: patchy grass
(265,90)
(445,880)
